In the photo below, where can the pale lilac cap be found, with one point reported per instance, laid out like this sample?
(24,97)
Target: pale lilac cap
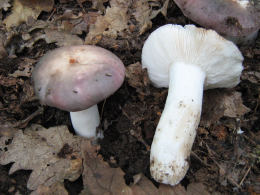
(73,78)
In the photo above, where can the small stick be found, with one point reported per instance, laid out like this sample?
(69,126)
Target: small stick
(24,122)
(241,182)
(102,110)
(198,158)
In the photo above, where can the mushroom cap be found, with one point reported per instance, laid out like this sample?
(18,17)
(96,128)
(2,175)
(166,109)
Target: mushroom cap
(219,58)
(73,78)
(232,18)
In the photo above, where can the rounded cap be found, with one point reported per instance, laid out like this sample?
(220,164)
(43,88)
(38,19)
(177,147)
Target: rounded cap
(231,18)
(74,78)
(219,58)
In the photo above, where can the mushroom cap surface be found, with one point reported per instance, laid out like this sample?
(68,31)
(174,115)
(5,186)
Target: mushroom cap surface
(234,18)
(73,78)
(219,58)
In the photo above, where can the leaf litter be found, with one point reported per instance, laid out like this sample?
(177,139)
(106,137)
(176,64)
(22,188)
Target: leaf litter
(226,150)
(53,154)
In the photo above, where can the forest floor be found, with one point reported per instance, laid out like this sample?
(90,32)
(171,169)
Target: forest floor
(225,156)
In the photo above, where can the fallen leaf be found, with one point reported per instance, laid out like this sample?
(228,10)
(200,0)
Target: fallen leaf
(55,189)
(136,76)
(220,132)
(52,154)
(117,19)
(252,76)
(219,103)
(10,81)
(146,187)
(98,176)
(5,4)
(114,21)
(26,9)
(24,69)
(3,52)
(197,189)
(144,13)
(61,38)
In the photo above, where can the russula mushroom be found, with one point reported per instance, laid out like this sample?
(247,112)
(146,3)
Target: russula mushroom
(237,20)
(75,79)
(187,60)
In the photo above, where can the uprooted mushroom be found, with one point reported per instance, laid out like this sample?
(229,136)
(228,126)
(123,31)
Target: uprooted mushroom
(187,60)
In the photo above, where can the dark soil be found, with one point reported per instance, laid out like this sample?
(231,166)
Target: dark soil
(130,116)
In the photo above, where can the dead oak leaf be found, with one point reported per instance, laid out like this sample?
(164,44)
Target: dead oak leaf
(98,176)
(25,68)
(55,189)
(5,4)
(113,22)
(145,187)
(25,9)
(219,103)
(144,13)
(197,189)
(136,76)
(52,154)
(61,38)
(117,20)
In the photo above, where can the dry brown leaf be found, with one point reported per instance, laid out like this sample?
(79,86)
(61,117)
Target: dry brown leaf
(114,21)
(146,187)
(10,81)
(52,154)
(144,13)
(25,68)
(219,103)
(3,52)
(233,105)
(26,9)
(55,189)
(117,19)
(136,76)
(252,76)
(197,189)
(98,176)
(5,4)
(61,38)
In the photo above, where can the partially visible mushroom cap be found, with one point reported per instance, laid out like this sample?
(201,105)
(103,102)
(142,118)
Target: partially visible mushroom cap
(238,20)
(74,78)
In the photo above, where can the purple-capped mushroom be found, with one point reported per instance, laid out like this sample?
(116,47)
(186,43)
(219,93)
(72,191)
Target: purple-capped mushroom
(75,79)
(237,20)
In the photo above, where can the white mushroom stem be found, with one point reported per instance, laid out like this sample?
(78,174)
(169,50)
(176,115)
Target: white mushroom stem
(86,121)
(176,130)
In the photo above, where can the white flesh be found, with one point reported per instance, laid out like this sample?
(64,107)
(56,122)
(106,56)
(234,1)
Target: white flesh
(176,130)
(86,121)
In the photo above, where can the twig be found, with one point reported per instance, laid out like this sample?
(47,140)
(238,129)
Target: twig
(52,13)
(102,110)
(198,158)
(248,139)
(23,123)
(242,181)
(229,178)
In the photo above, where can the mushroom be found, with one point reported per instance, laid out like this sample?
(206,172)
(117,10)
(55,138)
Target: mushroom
(237,20)
(75,79)
(187,60)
